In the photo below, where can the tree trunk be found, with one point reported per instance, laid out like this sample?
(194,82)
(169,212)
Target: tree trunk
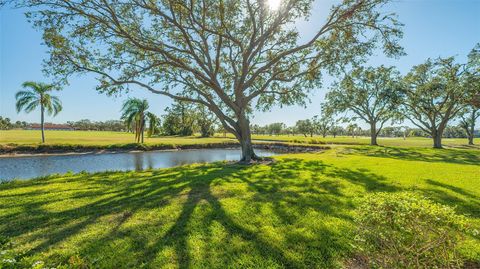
(42,122)
(245,138)
(373,134)
(437,139)
(437,142)
(142,127)
(472,128)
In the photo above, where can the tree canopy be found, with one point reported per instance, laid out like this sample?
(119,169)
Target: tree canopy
(433,95)
(37,94)
(136,115)
(471,85)
(231,56)
(372,94)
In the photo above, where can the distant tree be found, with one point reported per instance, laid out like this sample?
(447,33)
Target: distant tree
(433,95)
(206,121)
(275,128)
(405,131)
(232,56)
(135,114)
(371,94)
(417,132)
(336,130)
(5,123)
(291,130)
(454,132)
(471,111)
(467,122)
(180,119)
(153,125)
(222,130)
(323,123)
(305,127)
(35,95)
(257,129)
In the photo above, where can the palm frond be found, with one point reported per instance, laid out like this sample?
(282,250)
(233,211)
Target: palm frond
(56,104)
(37,95)
(31,106)
(24,101)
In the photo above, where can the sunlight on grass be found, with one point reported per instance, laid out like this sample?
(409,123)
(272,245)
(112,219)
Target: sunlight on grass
(296,212)
(30,137)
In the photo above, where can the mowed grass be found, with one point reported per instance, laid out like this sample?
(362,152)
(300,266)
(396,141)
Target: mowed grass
(93,138)
(102,138)
(363,140)
(294,213)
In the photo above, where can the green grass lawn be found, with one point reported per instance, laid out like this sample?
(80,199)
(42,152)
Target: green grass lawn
(296,212)
(363,140)
(99,138)
(89,138)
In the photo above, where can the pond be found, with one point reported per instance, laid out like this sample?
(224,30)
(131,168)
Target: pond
(42,165)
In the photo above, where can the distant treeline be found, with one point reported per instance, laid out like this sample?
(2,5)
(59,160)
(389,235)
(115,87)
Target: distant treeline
(186,119)
(7,124)
(311,127)
(88,125)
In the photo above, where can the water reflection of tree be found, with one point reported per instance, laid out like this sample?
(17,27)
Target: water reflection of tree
(143,161)
(138,160)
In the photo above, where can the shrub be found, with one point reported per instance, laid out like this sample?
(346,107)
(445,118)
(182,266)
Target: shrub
(405,230)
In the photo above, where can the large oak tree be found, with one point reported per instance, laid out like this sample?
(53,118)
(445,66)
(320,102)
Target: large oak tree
(232,56)
(434,95)
(471,84)
(371,94)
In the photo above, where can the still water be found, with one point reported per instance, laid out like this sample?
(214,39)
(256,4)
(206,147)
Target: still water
(35,166)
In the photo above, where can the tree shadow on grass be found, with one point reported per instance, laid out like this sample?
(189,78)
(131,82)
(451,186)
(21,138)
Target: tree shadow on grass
(457,156)
(464,201)
(214,215)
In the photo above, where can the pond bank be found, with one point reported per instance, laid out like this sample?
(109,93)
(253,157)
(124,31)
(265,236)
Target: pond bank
(10,150)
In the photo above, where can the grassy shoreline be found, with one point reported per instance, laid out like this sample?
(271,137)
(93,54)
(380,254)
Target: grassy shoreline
(23,141)
(46,149)
(296,212)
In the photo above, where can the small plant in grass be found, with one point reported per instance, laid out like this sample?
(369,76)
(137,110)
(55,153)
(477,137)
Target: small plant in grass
(406,230)
(9,258)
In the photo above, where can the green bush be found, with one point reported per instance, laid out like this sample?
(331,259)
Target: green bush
(405,230)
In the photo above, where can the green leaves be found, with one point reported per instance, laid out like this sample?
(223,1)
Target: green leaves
(372,94)
(36,94)
(433,94)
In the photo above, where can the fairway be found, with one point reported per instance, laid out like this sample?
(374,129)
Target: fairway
(363,140)
(29,137)
(101,138)
(296,212)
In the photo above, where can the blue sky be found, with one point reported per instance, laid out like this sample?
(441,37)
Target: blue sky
(432,28)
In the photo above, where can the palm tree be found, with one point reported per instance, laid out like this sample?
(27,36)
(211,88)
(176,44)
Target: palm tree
(34,95)
(135,115)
